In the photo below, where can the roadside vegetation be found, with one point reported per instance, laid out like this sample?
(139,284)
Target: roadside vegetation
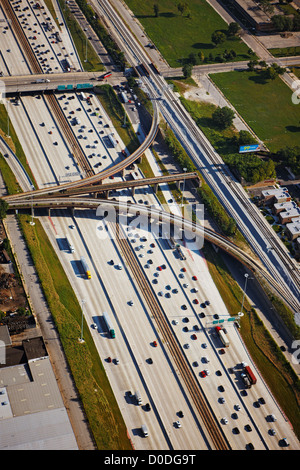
(12,140)
(270,360)
(87,54)
(185,31)
(265,104)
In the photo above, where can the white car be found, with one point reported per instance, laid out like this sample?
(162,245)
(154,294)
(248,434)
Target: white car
(178,424)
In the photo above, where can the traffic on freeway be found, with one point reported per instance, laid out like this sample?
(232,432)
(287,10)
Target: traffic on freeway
(174,357)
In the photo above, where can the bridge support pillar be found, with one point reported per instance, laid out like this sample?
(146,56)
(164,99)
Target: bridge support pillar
(155,188)
(133,190)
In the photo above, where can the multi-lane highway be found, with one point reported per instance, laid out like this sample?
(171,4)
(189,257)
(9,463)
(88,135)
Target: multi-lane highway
(255,229)
(162,307)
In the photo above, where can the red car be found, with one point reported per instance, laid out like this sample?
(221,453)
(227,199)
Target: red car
(195,278)
(194,336)
(159,268)
(196,301)
(183,270)
(155,344)
(203,373)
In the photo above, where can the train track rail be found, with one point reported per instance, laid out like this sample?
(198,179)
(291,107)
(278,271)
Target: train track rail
(50,98)
(184,371)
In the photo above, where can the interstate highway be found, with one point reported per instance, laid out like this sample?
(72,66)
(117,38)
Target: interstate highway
(85,239)
(255,229)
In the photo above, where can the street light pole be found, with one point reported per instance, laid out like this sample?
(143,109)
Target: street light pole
(184,169)
(81,338)
(246,279)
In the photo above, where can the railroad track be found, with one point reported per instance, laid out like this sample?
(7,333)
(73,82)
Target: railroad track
(197,396)
(50,98)
(23,41)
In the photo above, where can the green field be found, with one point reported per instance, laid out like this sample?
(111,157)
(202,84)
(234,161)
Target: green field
(266,105)
(178,36)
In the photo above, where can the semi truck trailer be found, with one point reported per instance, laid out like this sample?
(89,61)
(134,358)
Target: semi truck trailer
(109,325)
(70,244)
(138,397)
(85,267)
(222,336)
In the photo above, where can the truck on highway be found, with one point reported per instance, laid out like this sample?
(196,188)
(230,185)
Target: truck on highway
(85,267)
(144,430)
(138,397)
(248,377)
(112,140)
(246,380)
(124,97)
(222,336)
(70,244)
(42,80)
(109,325)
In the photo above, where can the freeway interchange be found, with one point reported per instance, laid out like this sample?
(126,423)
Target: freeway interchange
(133,279)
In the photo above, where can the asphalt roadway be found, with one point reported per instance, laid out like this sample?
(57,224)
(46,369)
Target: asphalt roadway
(47,329)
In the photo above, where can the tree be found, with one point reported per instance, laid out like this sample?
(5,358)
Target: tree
(182,7)
(201,56)
(223,117)
(156,9)
(266,6)
(187,70)
(3,208)
(233,29)
(218,37)
(251,64)
(192,58)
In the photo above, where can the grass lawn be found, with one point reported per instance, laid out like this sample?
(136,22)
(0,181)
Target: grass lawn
(178,36)
(266,105)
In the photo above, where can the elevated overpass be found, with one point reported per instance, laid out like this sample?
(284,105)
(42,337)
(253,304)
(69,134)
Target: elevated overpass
(133,183)
(31,83)
(161,216)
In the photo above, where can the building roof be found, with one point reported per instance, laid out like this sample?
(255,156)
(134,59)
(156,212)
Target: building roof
(288,205)
(46,430)
(295,212)
(294,227)
(32,413)
(276,192)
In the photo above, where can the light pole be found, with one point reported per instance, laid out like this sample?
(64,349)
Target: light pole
(31,222)
(81,337)
(184,169)
(246,279)
(85,49)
